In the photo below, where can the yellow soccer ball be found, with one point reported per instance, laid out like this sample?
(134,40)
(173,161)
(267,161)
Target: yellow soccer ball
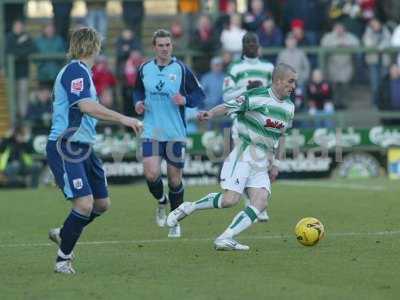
(309,231)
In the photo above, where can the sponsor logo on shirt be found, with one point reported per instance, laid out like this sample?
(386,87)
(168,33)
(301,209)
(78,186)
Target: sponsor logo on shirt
(160,85)
(274,124)
(77,86)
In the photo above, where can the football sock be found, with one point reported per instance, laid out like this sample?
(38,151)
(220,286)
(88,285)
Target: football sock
(93,215)
(156,188)
(212,200)
(70,233)
(175,196)
(240,222)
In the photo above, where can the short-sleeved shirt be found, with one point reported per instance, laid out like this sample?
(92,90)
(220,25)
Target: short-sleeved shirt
(73,84)
(156,85)
(262,118)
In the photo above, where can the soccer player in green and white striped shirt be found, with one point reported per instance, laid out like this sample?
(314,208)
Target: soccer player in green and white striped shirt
(263,115)
(248,72)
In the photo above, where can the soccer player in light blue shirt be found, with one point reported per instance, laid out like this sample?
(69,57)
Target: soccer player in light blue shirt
(77,171)
(164,88)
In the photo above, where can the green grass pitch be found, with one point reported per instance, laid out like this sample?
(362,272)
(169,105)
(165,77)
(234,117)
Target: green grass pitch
(124,255)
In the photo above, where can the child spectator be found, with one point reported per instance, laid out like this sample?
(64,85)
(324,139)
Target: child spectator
(130,75)
(319,99)
(104,81)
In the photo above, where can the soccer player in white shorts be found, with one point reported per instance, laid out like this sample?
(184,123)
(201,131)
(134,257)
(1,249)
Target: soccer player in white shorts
(263,115)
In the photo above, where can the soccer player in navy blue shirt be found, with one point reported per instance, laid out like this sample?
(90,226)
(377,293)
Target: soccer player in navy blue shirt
(77,170)
(164,88)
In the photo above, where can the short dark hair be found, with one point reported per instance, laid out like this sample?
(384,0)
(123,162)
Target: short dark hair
(281,70)
(249,36)
(160,33)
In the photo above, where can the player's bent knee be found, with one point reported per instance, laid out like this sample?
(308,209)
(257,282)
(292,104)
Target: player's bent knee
(102,205)
(229,199)
(84,205)
(151,175)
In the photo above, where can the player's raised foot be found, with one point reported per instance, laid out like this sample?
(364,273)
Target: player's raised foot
(263,216)
(54,235)
(229,244)
(161,215)
(182,211)
(175,232)
(64,267)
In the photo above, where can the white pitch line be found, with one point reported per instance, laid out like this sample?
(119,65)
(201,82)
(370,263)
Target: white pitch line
(155,241)
(333,185)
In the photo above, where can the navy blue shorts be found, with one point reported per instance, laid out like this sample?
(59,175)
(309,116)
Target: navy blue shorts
(77,170)
(172,151)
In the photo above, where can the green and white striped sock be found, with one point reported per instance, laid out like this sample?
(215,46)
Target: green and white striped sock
(241,222)
(212,200)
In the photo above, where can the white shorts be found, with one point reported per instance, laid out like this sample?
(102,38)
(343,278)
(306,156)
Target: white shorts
(247,169)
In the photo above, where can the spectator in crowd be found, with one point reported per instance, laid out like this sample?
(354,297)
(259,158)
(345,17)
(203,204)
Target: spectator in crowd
(40,110)
(97,17)
(49,43)
(297,31)
(312,14)
(133,13)
(349,13)
(178,34)
(395,41)
(319,99)
(269,34)
(104,81)
(188,10)
(126,43)
(212,83)
(130,75)
(12,12)
(253,19)
(16,162)
(205,40)
(231,38)
(62,18)
(376,36)
(390,93)
(225,12)
(388,11)
(297,59)
(20,44)
(340,66)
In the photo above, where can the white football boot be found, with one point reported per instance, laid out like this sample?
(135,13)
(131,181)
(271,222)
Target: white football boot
(54,235)
(64,267)
(228,244)
(175,231)
(179,213)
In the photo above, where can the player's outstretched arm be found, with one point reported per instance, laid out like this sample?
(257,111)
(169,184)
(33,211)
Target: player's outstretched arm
(101,112)
(218,110)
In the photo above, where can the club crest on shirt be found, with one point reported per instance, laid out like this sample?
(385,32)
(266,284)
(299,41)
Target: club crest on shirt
(78,184)
(172,77)
(77,86)
(240,99)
